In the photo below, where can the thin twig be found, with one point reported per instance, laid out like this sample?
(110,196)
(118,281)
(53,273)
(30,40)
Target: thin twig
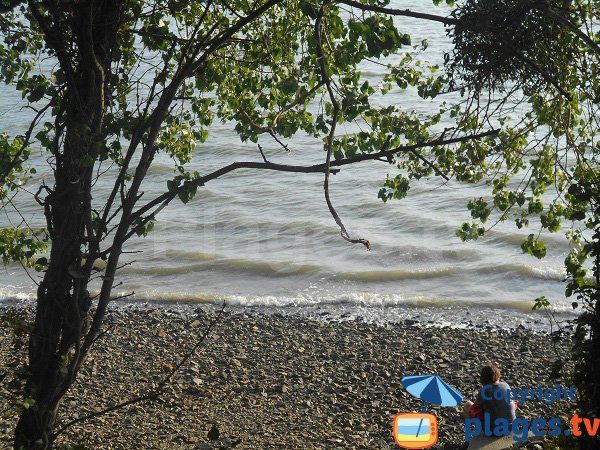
(262,153)
(430,164)
(119,297)
(194,348)
(334,117)
(399,12)
(151,395)
(102,333)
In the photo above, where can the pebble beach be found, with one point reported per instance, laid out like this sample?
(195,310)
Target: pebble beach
(274,381)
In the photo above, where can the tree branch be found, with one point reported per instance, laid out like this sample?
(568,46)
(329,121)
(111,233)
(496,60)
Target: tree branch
(151,395)
(262,154)
(451,21)
(574,28)
(399,12)
(334,119)
(142,398)
(155,120)
(167,197)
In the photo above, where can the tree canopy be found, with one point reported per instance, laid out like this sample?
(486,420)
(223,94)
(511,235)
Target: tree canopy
(114,83)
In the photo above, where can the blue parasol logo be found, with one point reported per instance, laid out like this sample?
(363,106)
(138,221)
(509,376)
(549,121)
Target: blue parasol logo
(432,390)
(419,430)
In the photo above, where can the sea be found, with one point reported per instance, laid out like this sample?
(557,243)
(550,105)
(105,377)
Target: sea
(266,242)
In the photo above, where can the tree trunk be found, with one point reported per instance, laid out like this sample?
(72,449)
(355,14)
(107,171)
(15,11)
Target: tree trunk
(62,299)
(63,302)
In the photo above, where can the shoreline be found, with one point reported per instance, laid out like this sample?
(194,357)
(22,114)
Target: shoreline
(461,315)
(281,381)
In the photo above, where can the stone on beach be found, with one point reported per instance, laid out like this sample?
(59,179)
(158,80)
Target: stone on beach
(250,378)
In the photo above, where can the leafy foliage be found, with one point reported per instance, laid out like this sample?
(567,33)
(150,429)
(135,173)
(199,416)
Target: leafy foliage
(496,42)
(546,52)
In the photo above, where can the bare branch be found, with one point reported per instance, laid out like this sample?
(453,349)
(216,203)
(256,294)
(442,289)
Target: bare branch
(334,118)
(262,154)
(189,354)
(399,12)
(166,198)
(151,395)
(142,398)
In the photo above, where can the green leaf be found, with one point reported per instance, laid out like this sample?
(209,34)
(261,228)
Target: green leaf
(42,261)
(308,9)
(37,93)
(479,209)
(289,86)
(470,232)
(172,185)
(540,303)
(534,247)
(183,196)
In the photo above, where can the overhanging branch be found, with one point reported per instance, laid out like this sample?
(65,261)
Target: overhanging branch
(574,28)
(326,79)
(399,12)
(167,197)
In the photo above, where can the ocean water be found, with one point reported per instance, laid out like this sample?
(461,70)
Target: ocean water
(267,241)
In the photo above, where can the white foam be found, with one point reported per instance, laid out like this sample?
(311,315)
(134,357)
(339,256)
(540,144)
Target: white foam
(12,292)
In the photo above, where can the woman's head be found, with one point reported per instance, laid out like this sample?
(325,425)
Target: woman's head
(489,374)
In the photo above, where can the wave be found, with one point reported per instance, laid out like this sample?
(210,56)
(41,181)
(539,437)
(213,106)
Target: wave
(11,293)
(412,263)
(185,262)
(522,270)
(545,273)
(370,306)
(351,300)
(516,238)
(397,275)
(212,262)
(391,252)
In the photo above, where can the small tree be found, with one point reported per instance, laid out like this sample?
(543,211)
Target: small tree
(133,79)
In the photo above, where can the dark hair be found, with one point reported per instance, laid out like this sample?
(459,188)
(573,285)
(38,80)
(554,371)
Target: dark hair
(489,374)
